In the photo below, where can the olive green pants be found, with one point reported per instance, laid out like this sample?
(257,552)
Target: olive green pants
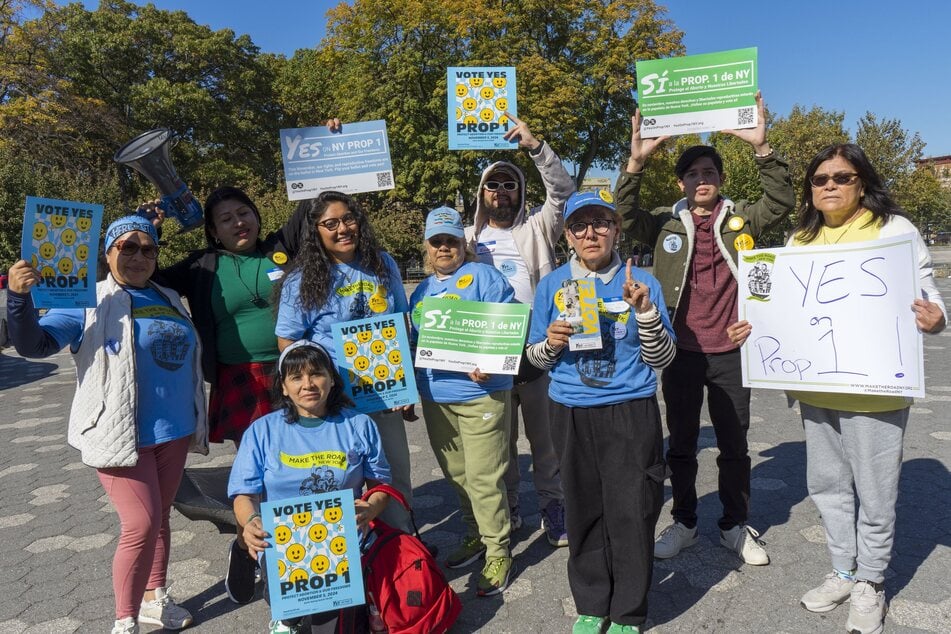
(470,441)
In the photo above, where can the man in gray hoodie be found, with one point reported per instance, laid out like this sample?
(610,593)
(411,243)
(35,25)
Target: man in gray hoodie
(522,247)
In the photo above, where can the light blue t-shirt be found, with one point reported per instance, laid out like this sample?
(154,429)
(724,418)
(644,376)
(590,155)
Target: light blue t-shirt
(164,363)
(474,282)
(279,460)
(615,373)
(356,294)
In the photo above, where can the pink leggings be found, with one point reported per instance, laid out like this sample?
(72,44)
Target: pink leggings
(143,497)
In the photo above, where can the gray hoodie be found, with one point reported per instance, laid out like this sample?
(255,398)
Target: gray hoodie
(537,234)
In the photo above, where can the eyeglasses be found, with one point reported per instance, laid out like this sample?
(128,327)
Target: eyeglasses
(509,186)
(602,227)
(128,249)
(437,242)
(331,224)
(820,180)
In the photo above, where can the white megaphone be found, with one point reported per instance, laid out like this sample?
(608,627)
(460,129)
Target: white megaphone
(148,155)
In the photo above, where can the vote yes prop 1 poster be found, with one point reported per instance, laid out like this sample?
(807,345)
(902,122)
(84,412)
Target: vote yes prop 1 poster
(356,159)
(478,98)
(833,318)
(373,357)
(61,240)
(313,564)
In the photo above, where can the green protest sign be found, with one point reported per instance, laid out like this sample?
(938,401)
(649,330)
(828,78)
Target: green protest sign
(698,93)
(461,336)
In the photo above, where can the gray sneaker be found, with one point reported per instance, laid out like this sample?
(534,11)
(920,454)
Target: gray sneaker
(165,612)
(746,543)
(673,539)
(867,609)
(834,591)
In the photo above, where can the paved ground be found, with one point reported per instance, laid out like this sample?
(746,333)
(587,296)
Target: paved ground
(58,530)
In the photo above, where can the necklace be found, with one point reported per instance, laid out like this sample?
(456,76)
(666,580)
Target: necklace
(847,224)
(256,299)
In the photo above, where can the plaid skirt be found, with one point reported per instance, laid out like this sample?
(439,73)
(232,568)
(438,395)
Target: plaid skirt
(240,396)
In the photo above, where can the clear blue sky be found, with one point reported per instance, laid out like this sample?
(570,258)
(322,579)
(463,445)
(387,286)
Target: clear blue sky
(892,59)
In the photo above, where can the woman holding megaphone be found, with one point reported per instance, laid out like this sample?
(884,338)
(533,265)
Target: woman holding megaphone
(228,286)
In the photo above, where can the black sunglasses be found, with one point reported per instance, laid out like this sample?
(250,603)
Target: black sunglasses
(437,242)
(838,179)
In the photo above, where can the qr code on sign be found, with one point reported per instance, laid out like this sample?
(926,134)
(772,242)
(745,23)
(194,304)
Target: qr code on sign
(384,179)
(509,364)
(745,116)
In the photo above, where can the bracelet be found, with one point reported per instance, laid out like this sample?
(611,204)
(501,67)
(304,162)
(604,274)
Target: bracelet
(251,518)
(767,155)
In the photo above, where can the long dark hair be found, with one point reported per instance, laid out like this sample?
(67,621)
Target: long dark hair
(316,361)
(316,266)
(876,198)
(220,195)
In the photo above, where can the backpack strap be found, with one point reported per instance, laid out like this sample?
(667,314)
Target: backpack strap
(390,491)
(395,494)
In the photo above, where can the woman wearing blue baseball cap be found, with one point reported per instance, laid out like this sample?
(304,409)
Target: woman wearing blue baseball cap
(468,414)
(604,333)
(138,408)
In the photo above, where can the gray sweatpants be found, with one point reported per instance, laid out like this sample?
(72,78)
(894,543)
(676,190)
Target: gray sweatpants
(849,454)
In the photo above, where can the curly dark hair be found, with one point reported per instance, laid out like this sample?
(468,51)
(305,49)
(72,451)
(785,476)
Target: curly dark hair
(876,198)
(220,195)
(313,360)
(316,266)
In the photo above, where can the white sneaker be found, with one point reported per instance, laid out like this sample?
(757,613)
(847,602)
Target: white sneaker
(867,609)
(744,541)
(833,592)
(165,612)
(126,626)
(673,539)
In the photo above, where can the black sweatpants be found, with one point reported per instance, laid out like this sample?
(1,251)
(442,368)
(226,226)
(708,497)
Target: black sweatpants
(729,405)
(612,472)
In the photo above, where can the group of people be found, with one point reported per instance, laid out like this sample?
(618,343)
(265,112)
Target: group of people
(259,330)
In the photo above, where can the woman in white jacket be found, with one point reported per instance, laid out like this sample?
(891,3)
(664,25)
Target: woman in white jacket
(137,359)
(854,441)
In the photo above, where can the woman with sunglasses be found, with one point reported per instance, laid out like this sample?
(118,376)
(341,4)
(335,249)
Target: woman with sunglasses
(138,408)
(228,285)
(468,414)
(605,418)
(854,441)
(343,274)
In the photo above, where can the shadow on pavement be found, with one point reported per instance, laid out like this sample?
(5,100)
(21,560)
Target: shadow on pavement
(16,371)
(924,517)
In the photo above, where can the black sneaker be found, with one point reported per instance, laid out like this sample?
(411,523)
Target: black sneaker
(239,581)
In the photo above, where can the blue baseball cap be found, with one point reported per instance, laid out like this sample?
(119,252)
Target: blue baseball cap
(444,220)
(124,225)
(597,198)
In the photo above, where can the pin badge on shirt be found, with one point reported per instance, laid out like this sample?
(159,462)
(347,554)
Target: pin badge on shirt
(735,223)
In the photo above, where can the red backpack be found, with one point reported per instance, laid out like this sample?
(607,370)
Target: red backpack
(402,579)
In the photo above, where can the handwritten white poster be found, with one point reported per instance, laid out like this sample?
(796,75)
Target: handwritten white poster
(833,318)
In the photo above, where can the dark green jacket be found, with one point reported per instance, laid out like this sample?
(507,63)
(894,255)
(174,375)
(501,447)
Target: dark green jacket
(670,230)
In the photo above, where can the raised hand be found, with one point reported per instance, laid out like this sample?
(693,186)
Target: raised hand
(641,148)
(521,132)
(755,136)
(636,295)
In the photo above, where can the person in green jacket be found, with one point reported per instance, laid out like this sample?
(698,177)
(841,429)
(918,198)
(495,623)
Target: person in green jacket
(695,244)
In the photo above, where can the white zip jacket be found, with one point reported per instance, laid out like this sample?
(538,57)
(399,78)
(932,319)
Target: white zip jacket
(102,421)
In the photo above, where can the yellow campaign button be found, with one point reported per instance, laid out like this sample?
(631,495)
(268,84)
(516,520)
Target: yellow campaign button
(743,242)
(736,223)
(279,258)
(464,281)
(377,303)
(606,196)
